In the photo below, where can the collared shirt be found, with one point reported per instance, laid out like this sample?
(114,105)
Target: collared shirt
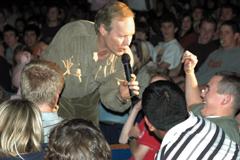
(197,138)
(50,120)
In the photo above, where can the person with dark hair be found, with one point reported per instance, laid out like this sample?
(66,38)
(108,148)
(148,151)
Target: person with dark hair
(143,144)
(169,52)
(10,36)
(186,34)
(32,40)
(218,100)
(197,14)
(226,58)
(90,54)
(52,24)
(184,135)
(77,139)
(205,43)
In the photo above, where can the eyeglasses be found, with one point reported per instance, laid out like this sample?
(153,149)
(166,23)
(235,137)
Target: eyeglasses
(205,89)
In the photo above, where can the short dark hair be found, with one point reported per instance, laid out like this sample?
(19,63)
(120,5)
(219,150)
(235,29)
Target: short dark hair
(32,27)
(77,139)
(169,18)
(231,23)
(9,28)
(209,19)
(164,104)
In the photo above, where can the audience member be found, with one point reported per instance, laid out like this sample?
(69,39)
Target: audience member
(77,139)
(169,52)
(184,135)
(226,58)
(143,34)
(205,43)
(10,36)
(197,14)
(142,143)
(21,130)
(227,12)
(42,83)
(52,24)
(20,24)
(219,100)
(186,34)
(22,56)
(90,55)
(31,36)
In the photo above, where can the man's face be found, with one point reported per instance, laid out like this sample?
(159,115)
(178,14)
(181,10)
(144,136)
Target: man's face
(168,30)
(211,97)
(10,38)
(118,39)
(186,23)
(227,37)
(206,32)
(53,14)
(30,38)
(226,14)
(197,14)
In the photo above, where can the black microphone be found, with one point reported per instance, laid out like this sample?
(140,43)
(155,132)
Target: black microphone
(127,69)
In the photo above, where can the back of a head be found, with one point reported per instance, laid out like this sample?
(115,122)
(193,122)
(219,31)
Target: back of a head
(21,127)
(164,104)
(40,82)
(111,11)
(230,84)
(77,139)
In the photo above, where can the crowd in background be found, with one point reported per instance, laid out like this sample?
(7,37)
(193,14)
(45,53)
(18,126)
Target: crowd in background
(167,26)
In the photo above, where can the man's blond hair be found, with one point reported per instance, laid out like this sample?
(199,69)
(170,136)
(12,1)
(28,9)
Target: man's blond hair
(41,81)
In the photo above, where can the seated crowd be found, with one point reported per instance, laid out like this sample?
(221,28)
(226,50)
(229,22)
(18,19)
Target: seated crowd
(186,65)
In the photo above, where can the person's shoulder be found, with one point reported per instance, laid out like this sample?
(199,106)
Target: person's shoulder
(78,27)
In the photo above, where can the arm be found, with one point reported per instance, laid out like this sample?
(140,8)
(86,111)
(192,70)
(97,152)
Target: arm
(140,151)
(191,87)
(129,123)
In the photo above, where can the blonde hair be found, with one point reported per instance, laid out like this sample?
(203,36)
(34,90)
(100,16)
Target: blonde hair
(20,127)
(41,81)
(110,11)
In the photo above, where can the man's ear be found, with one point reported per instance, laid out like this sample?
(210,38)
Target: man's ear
(227,99)
(236,36)
(149,124)
(176,29)
(102,29)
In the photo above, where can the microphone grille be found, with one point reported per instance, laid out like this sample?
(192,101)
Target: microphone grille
(125,58)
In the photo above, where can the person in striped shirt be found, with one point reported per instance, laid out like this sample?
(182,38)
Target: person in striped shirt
(183,135)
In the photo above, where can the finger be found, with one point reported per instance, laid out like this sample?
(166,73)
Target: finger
(133,83)
(133,77)
(134,88)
